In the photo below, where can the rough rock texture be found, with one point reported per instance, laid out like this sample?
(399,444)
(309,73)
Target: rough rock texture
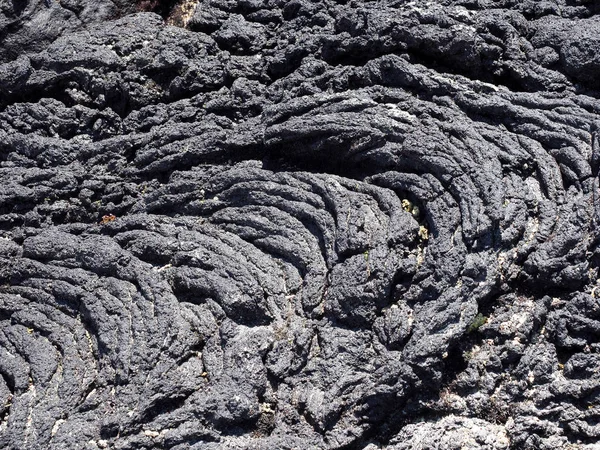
(299,224)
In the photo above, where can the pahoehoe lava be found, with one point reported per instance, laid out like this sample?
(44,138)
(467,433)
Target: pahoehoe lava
(299,224)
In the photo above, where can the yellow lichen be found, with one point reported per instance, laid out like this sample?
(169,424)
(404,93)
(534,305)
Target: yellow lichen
(182,13)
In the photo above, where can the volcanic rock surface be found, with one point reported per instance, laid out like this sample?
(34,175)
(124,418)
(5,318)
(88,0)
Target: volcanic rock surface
(299,224)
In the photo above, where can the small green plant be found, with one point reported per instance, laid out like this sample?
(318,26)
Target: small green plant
(408,206)
(423,233)
(477,322)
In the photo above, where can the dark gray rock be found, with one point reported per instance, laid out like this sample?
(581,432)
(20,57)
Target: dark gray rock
(298,224)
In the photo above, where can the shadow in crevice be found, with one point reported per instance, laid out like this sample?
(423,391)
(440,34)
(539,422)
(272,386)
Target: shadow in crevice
(161,7)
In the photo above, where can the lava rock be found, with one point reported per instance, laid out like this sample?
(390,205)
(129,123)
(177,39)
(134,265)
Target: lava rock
(299,224)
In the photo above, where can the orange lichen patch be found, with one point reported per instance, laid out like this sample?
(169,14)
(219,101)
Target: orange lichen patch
(107,218)
(182,12)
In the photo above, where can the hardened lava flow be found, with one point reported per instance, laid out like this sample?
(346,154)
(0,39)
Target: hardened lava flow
(299,224)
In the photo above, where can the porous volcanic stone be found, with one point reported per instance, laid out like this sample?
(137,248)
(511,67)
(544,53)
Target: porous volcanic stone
(299,224)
